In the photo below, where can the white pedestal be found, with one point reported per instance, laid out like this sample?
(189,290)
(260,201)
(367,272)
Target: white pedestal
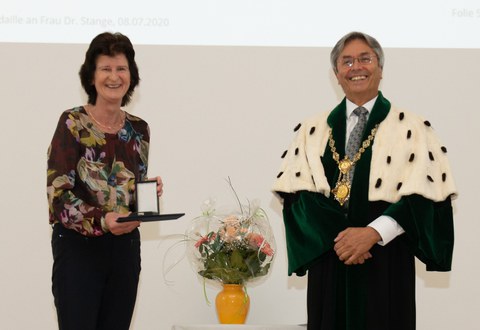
(236,327)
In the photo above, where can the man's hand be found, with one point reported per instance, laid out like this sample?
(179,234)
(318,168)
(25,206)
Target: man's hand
(353,244)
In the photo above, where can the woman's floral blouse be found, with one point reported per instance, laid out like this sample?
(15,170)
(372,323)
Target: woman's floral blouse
(91,173)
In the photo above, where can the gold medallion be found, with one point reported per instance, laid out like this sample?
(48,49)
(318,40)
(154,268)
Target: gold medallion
(345,165)
(341,192)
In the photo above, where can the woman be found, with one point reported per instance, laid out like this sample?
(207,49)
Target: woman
(97,153)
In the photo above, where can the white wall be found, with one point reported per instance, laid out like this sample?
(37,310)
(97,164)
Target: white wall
(216,112)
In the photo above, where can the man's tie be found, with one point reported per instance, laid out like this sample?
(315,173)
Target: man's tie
(355,139)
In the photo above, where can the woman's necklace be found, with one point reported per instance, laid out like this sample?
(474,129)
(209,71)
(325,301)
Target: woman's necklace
(341,192)
(113,128)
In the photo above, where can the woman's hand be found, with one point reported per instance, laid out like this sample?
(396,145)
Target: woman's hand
(119,228)
(159,186)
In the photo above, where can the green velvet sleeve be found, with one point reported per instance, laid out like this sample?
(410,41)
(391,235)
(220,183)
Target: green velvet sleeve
(311,224)
(429,229)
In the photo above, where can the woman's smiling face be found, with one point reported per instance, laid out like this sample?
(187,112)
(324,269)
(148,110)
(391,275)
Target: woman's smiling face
(112,78)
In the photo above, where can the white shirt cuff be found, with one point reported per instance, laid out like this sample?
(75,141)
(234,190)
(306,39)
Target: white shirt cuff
(387,227)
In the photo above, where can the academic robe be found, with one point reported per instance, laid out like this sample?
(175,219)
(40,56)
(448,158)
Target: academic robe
(380,294)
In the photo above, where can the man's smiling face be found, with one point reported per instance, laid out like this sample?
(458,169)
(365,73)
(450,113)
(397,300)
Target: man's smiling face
(360,81)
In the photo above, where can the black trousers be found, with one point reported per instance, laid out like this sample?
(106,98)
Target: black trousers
(94,279)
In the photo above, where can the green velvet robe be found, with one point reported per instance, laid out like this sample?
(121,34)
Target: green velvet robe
(381,293)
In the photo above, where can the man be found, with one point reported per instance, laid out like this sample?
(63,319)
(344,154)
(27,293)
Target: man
(355,219)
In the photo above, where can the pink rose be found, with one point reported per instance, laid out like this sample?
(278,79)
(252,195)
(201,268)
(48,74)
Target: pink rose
(257,241)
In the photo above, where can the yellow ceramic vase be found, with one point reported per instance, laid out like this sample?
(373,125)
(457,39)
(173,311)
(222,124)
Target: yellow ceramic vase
(232,304)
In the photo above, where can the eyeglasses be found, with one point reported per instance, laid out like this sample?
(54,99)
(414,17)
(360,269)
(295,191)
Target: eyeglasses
(364,59)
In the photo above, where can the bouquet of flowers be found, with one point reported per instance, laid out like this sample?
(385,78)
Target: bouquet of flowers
(232,248)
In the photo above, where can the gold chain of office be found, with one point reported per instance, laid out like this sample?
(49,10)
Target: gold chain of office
(341,192)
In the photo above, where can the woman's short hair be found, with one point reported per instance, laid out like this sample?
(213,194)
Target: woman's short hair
(109,44)
(371,42)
